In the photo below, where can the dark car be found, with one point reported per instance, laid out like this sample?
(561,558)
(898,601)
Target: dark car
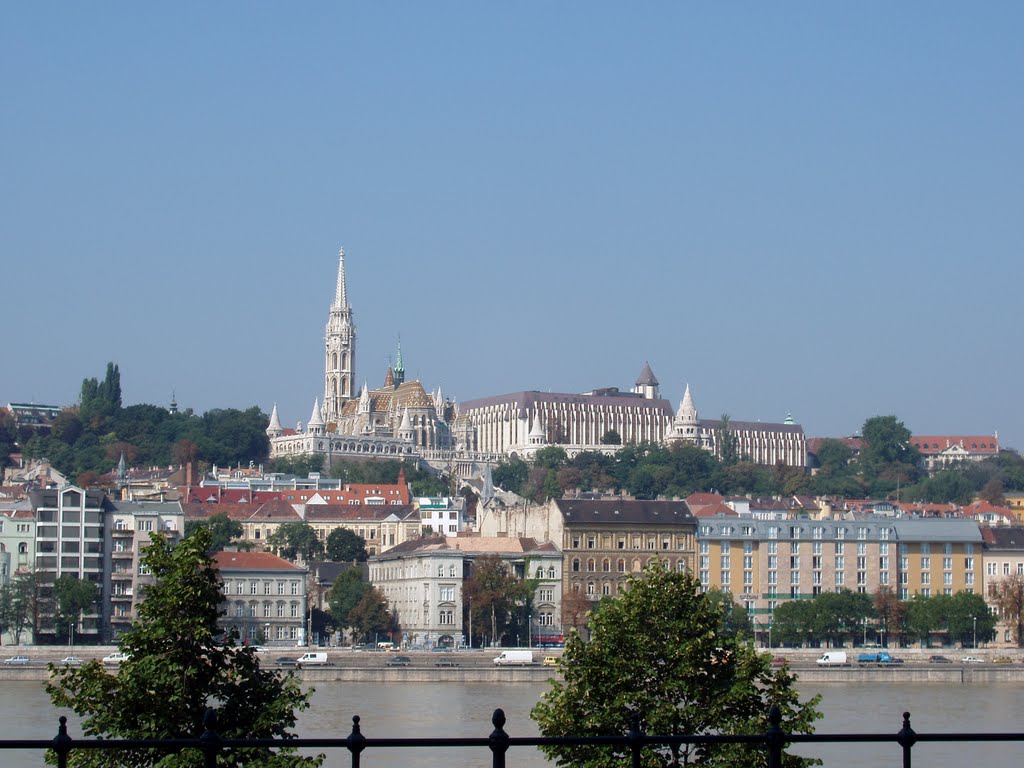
(939,660)
(285,661)
(446,663)
(398,661)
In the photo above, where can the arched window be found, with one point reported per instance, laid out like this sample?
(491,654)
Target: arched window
(591,565)
(576,565)
(606,565)
(551,572)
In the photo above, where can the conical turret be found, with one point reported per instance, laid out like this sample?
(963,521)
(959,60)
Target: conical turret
(274,429)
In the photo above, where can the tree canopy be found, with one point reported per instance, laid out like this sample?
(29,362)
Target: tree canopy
(179,663)
(296,540)
(344,544)
(657,653)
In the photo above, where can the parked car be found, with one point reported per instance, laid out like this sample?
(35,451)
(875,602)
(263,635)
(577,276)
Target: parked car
(71,661)
(937,659)
(398,661)
(17,661)
(1002,660)
(970,660)
(115,658)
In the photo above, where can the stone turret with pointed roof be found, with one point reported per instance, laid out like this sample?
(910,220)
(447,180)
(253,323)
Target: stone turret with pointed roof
(274,429)
(646,384)
(405,430)
(316,423)
(340,349)
(686,424)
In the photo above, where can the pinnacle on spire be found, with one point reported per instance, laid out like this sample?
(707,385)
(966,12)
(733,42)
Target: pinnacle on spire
(340,295)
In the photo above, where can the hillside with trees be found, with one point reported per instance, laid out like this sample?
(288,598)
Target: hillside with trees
(887,465)
(86,441)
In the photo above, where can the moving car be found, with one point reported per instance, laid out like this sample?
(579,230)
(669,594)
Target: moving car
(398,661)
(285,661)
(550,661)
(71,661)
(17,660)
(115,658)
(970,660)
(447,662)
(779,661)
(936,659)
(1002,660)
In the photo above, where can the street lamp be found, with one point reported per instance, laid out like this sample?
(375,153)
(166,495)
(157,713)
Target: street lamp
(974,620)
(865,621)
(529,630)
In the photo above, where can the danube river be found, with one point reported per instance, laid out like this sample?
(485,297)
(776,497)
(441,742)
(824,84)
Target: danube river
(464,709)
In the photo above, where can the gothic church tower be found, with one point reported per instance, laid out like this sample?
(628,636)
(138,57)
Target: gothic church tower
(340,349)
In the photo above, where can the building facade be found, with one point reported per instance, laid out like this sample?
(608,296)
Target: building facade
(128,529)
(264,598)
(422,581)
(521,423)
(605,541)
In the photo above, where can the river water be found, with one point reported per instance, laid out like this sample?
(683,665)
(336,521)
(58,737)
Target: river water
(465,709)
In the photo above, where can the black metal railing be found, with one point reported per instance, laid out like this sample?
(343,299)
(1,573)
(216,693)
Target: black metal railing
(774,741)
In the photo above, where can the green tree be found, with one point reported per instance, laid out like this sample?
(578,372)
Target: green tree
(300,465)
(73,597)
(8,436)
(1009,599)
(728,444)
(792,622)
(18,605)
(922,619)
(657,653)
(968,616)
(178,665)
(734,620)
(371,616)
(344,595)
(834,457)
(344,544)
(611,437)
(296,540)
(495,594)
(511,474)
(551,457)
(224,532)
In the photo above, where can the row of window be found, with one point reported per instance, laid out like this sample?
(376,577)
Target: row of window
(266,587)
(279,609)
(634,542)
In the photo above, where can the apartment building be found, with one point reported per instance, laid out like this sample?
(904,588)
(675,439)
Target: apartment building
(264,597)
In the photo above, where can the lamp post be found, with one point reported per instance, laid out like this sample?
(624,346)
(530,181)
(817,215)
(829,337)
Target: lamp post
(865,621)
(974,621)
(529,630)
(769,633)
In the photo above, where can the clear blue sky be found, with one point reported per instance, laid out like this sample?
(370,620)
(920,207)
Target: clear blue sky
(801,207)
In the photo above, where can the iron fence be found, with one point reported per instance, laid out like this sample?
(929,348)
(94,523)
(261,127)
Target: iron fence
(774,741)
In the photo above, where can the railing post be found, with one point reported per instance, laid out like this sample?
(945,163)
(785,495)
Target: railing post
(356,742)
(210,740)
(774,737)
(635,737)
(498,739)
(62,743)
(907,739)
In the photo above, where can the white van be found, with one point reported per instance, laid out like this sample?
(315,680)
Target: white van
(833,659)
(514,657)
(312,659)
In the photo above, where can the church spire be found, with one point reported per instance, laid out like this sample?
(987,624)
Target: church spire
(340,295)
(399,367)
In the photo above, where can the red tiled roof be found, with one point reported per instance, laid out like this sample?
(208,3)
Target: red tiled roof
(928,445)
(256,561)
